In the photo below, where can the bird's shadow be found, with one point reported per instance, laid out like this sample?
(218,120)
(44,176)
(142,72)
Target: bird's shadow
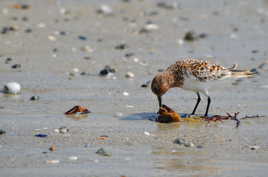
(146,116)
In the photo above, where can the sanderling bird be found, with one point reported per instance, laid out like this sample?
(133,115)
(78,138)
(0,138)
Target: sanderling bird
(194,75)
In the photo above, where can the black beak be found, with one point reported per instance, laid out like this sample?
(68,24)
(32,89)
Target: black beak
(159,101)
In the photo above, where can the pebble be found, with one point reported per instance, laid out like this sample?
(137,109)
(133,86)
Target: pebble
(16,66)
(128,55)
(148,28)
(41,25)
(87,49)
(146,84)
(106,70)
(40,135)
(12,88)
(28,30)
(73,158)
(105,10)
(34,98)
(190,36)
(179,141)
(130,75)
(2,132)
(83,38)
(121,46)
(8,60)
(125,93)
(254,147)
(180,41)
(53,148)
(102,152)
(52,38)
(53,161)
(63,130)
(147,133)
(190,144)
(166,6)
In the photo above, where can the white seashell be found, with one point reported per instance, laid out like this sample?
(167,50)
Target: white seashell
(147,133)
(12,88)
(105,9)
(125,93)
(130,75)
(73,158)
(53,161)
(151,27)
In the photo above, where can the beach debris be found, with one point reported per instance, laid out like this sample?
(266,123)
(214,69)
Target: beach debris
(125,93)
(53,148)
(8,60)
(63,130)
(41,135)
(52,38)
(78,110)
(190,36)
(147,133)
(34,98)
(167,115)
(21,6)
(2,132)
(181,141)
(102,152)
(165,5)
(130,75)
(255,147)
(16,66)
(130,54)
(74,72)
(121,46)
(221,118)
(82,38)
(87,49)
(106,70)
(73,158)
(148,28)
(7,29)
(103,137)
(105,10)
(53,161)
(146,84)
(253,116)
(189,144)
(12,88)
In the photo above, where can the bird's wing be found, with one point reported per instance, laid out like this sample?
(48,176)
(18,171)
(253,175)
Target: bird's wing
(204,70)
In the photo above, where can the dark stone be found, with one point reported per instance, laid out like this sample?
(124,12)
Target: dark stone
(179,141)
(127,55)
(146,84)
(121,47)
(40,135)
(190,36)
(102,152)
(83,38)
(8,60)
(16,66)
(34,98)
(28,30)
(254,51)
(106,70)
(63,33)
(203,35)
(2,132)
(164,5)
(25,19)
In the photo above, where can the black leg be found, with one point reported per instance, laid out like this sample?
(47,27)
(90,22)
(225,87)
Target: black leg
(197,103)
(159,101)
(209,100)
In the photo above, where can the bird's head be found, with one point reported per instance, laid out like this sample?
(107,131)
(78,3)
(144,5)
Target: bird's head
(160,85)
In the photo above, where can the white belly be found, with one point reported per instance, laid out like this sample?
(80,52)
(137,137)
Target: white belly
(195,85)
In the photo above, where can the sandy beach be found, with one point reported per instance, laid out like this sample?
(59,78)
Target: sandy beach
(55,49)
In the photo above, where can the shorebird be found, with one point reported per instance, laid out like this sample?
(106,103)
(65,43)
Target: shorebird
(193,75)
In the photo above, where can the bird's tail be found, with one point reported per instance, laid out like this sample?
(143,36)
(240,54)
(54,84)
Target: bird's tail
(241,73)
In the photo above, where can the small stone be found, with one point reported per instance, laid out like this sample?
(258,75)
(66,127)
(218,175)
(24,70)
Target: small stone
(164,5)
(63,130)
(147,133)
(53,161)
(146,84)
(130,75)
(102,152)
(254,51)
(255,147)
(28,30)
(189,144)
(121,47)
(62,33)
(34,98)
(2,132)
(107,69)
(12,88)
(199,146)
(127,55)
(83,38)
(8,60)
(179,141)
(24,19)
(41,25)
(52,38)
(16,66)
(52,148)
(105,10)
(180,41)
(87,49)
(40,135)
(190,36)
(148,28)
(202,35)
(73,158)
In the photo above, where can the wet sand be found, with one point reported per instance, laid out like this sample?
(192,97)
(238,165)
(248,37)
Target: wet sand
(236,32)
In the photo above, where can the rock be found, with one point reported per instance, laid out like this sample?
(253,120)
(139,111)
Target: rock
(28,30)
(83,38)
(40,135)
(105,10)
(2,132)
(12,88)
(34,98)
(16,66)
(199,146)
(8,60)
(179,141)
(87,49)
(255,147)
(125,93)
(128,55)
(190,144)
(63,130)
(147,133)
(107,69)
(52,38)
(121,46)
(148,28)
(52,148)
(102,152)
(130,75)
(190,36)
(146,84)
(165,5)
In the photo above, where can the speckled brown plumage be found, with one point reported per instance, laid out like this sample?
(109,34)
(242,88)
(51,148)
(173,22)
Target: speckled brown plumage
(193,74)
